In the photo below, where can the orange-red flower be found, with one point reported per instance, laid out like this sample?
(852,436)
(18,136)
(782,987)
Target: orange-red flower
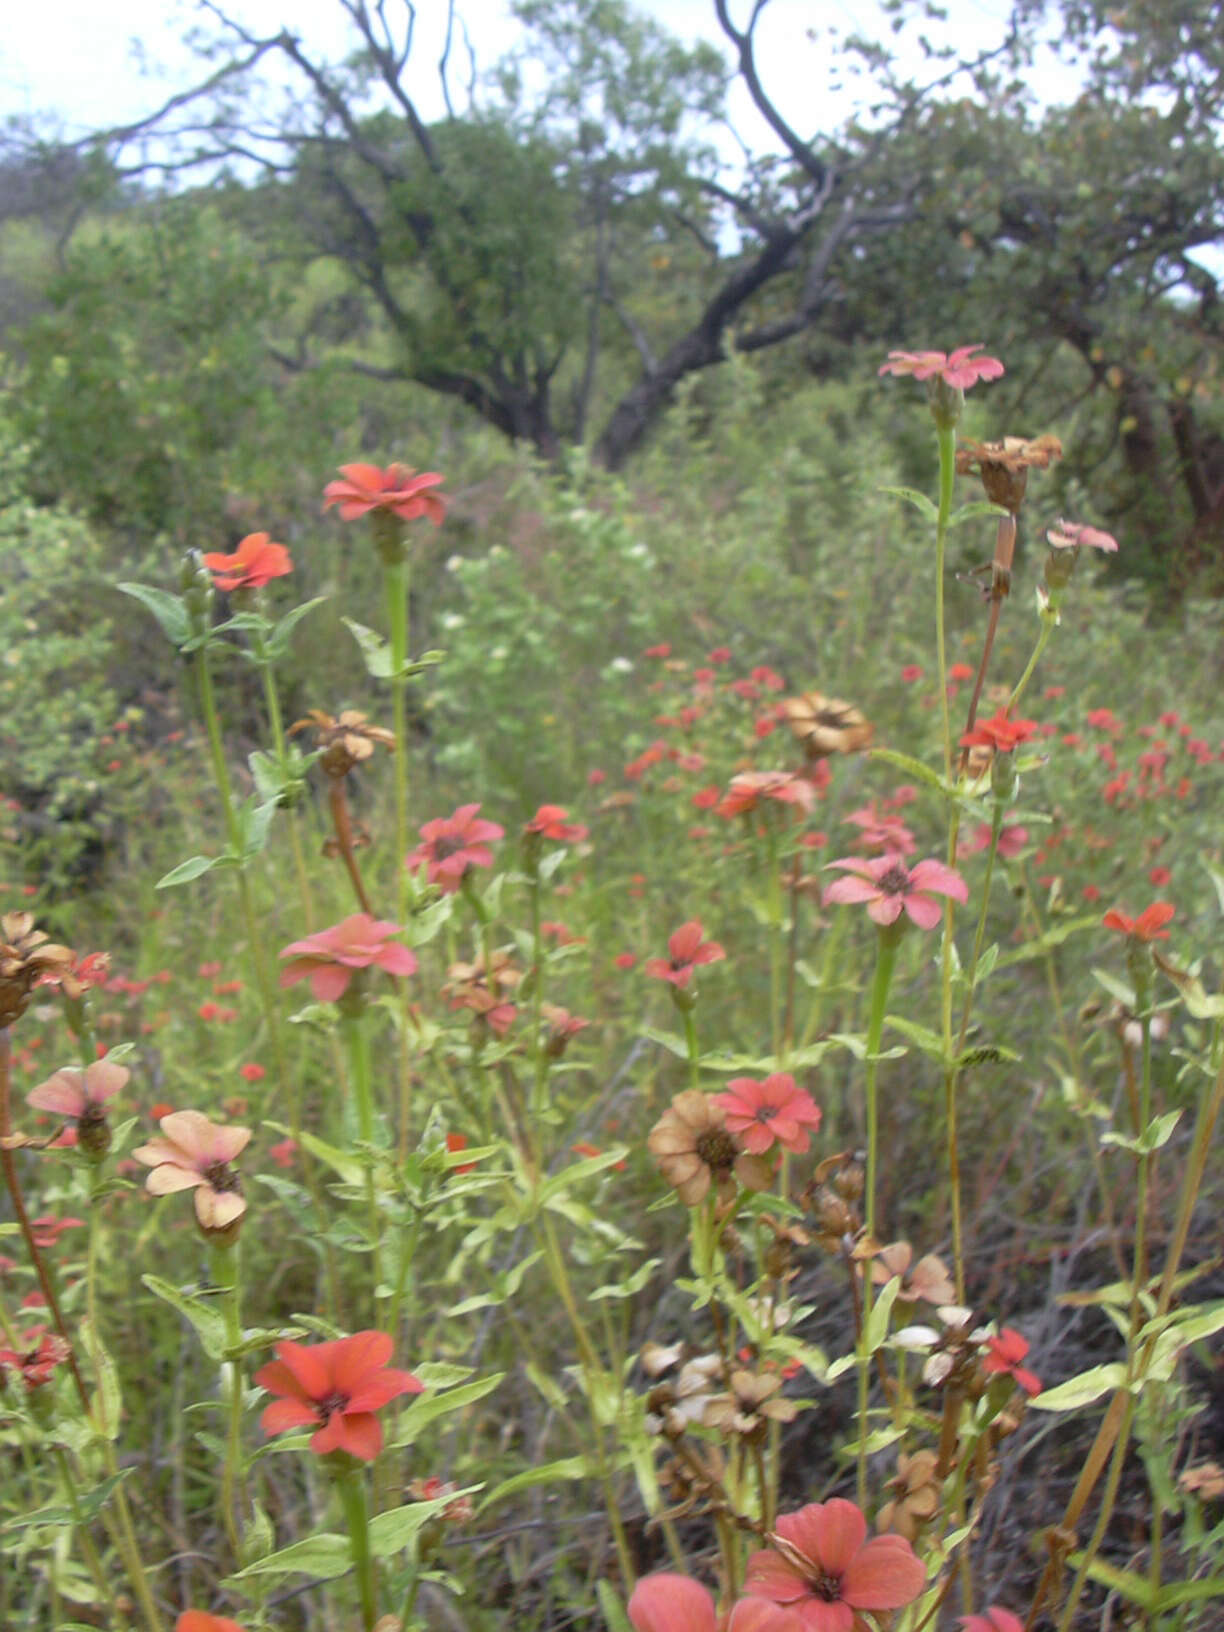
(1006,1352)
(746,791)
(335,1387)
(677,1603)
(254,563)
(35,1358)
(329,957)
(769,1112)
(686,950)
(452,845)
(397,490)
(550,822)
(826,1570)
(1149,926)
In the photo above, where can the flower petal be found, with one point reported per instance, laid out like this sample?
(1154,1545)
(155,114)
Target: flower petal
(885,1574)
(671,1603)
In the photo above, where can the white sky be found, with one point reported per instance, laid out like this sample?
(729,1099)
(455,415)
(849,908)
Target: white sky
(93,63)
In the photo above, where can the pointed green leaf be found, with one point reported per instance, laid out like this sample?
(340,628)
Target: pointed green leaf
(920,501)
(169,610)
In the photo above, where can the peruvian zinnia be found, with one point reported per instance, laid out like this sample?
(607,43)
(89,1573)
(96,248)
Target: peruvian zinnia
(823,1567)
(335,1388)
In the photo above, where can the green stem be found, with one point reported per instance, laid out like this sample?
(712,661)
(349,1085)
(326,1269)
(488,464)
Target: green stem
(694,1052)
(225,1273)
(1049,622)
(946,436)
(396,592)
(351,1484)
(353,1026)
(888,940)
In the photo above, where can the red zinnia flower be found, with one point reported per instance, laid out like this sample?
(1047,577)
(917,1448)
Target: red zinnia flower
(889,887)
(826,1570)
(254,563)
(550,823)
(1149,926)
(1006,1352)
(329,957)
(686,950)
(47,1229)
(999,733)
(397,489)
(336,1388)
(199,1620)
(453,844)
(677,1603)
(762,1112)
(995,1619)
(959,368)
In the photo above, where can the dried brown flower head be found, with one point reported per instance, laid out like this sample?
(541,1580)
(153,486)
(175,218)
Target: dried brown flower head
(826,725)
(916,1499)
(1004,466)
(25,955)
(345,740)
(693,1148)
(927,1279)
(753,1401)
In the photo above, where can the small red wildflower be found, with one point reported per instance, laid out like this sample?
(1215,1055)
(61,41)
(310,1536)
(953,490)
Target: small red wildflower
(452,845)
(686,951)
(625,960)
(661,650)
(912,672)
(198,1620)
(960,671)
(336,1388)
(253,564)
(328,958)
(746,791)
(456,1142)
(959,368)
(775,1110)
(283,1153)
(829,1570)
(252,1072)
(47,1229)
(1158,877)
(35,1357)
(397,490)
(888,887)
(550,822)
(1005,1354)
(999,732)
(1149,926)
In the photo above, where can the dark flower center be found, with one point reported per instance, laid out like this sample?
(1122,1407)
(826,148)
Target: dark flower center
(827,1587)
(446,847)
(221,1176)
(717,1149)
(331,1403)
(895,881)
(834,718)
(764,1113)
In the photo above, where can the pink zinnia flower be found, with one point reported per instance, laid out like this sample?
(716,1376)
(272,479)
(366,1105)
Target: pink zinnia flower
(888,887)
(1006,1352)
(995,1619)
(677,1603)
(999,732)
(746,791)
(335,1388)
(47,1229)
(1074,535)
(329,957)
(397,489)
(686,950)
(36,1356)
(254,563)
(194,1153)
(451,845)
(1149,926)
(959,368)
(882,832)
(764,1112)
(76,1093)
(826,1570)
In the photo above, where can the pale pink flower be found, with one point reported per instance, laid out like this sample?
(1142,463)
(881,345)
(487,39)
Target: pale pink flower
(329,957)
(76,1093)
(959,368)
(1074,535)
(194,1153)
(888,887)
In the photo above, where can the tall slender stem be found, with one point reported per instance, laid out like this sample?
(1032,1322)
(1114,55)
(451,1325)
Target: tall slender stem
(351,1483)
(886,957)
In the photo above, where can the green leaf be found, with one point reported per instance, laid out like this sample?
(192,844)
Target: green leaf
(569,1467)
(106,1407)
(194,867)
(1118,989)
(1054,936)
(89,1503)
(505,1286)
(340,1161)
(577,1172)
(975,511)
(324,1557)
(1135,1587)
(1185,1592)
(672,1041)
(927,1040)
(169,610)
(881,1311)
(1157,1133)
(1081,1390)
(629,1287)
(208,1322)
(428,1408)
(913,767)
(612,1608)
(390,1532)
(278,643)
(375,651)
(920,501)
